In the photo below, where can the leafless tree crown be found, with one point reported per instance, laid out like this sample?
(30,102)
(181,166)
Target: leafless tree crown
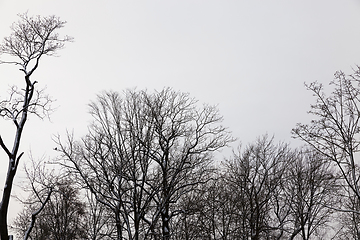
(31,38)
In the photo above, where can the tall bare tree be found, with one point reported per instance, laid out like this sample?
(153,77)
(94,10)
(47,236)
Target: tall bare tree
(30,40)
(334,132)
(144,151)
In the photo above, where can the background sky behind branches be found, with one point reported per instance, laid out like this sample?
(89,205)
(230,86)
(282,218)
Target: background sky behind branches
(251,58)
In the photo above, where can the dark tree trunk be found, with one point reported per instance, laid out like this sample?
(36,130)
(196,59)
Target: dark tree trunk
(13,160)
(5,203)
(165,222)
(118,225)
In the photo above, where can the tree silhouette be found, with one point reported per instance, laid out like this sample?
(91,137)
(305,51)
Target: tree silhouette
(30,40)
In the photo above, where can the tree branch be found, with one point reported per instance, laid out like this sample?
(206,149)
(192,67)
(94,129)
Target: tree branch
(5,148)
(34,215)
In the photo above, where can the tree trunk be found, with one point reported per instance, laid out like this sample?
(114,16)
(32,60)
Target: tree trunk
(165,222)
(13,159)
(118,225)
(136,226)
(5,201)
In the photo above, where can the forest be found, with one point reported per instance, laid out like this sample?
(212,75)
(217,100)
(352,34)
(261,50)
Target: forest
(148,167)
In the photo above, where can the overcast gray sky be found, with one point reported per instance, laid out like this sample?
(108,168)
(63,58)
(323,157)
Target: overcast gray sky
(249,57)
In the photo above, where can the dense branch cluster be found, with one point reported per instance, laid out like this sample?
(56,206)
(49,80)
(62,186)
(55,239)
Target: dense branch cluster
(143,152)
(264,191)
(148,161)
(31,38)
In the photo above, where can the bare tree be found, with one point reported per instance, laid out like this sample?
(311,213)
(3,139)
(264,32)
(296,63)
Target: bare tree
(31,39)
(39,184)
(264,191)
(61,218)
(254,176)
(61,208)
(143,152)
(238,202)
(310,190)
(334,132)
(113,159)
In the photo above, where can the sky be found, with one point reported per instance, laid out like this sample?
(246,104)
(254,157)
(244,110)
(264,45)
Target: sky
(250,58)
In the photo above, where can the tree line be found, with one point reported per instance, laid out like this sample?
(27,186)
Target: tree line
(147,168)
